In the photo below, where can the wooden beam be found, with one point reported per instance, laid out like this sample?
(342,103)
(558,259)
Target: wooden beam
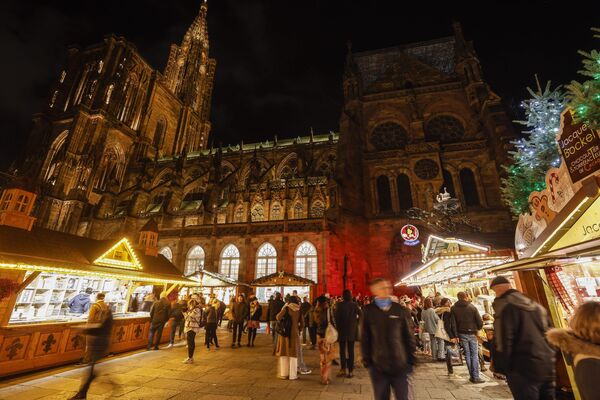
(27,281)
(169,290)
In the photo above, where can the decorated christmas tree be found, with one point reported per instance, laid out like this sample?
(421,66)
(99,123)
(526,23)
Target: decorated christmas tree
(537,152)
(584,97)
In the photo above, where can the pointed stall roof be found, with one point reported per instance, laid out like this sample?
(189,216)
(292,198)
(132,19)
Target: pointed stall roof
(282,278)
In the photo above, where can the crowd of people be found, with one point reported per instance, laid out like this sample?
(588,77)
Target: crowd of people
(391,331)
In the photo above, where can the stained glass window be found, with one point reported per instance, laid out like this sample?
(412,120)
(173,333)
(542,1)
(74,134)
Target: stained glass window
(194,261)
(230,261)
(306,261)
(266,260)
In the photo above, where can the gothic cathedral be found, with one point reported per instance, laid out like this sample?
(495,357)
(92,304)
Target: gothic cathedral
(121,143)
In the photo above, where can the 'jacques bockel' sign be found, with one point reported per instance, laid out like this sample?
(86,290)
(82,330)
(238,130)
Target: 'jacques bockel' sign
(579,146)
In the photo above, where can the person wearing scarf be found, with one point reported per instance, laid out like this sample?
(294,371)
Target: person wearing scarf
(388,343)
(254,321)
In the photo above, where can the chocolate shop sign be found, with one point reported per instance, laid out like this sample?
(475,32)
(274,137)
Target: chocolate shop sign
(579,146)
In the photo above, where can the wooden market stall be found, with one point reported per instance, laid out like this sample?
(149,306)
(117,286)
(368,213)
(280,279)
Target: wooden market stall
(51,278)
(210,283)
(284,283)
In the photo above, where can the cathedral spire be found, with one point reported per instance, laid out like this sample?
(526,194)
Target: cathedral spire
(189,75)
(351,75)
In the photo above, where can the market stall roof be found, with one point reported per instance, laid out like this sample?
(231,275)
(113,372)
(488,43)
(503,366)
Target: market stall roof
(52,251)
(214,279)
(451,258)
(282,278)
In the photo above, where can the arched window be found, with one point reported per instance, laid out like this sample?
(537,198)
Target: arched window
(56,147)
(389,136)
(229,264)
(166,251)
(404,192)
(111,168)
(444,128)
(194,261)
(266,260)
(306,261)
(448,183)
(383,194)
(469,187)
(159,133)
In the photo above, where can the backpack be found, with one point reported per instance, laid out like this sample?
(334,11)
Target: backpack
(283,327)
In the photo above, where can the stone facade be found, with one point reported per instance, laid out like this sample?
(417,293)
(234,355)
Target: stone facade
(120,143)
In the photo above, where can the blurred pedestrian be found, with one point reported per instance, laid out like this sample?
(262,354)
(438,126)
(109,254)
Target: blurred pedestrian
(97,340)
(347,315)
(520,348)
(468,323)
(322,317)
(387,343)
(192,326)
(159,316)
(305,308)
(581,345)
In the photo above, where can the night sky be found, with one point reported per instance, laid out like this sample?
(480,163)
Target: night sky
(279,63)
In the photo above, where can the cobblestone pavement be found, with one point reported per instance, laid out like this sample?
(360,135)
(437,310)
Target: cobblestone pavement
(232,374)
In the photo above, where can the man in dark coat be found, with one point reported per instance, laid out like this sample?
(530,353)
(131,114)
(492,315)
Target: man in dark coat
(239,313)
(468,324)
(387,342)
(520,348)
(347,315)
(159,315)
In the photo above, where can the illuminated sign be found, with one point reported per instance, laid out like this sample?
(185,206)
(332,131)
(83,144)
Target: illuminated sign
(410,234)
(586,228)
(121,255)
(579,146)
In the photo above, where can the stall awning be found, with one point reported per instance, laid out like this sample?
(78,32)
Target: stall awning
(214,279)
(447,259)
(282,278)
(58,252)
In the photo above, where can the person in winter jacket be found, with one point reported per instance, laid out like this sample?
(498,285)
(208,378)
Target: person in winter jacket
(239,313)
(445,315)
(322,315)
(430,322)
(305,308)
(159,316)
(253,321)
(192,325)
(468,323)
(80,304)
(347,315)
(581,345)
(520,348)
(387,343)
(177,311)
(286,347)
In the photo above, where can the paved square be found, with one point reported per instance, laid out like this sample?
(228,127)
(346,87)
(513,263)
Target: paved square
(231,374)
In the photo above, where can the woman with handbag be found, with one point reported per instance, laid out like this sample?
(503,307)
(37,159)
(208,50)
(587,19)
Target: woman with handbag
(326,336)
(253,321)
(446,330)
(430,323)
(289,325)
(192,325)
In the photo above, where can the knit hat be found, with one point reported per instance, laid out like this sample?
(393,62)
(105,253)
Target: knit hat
(499,280)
